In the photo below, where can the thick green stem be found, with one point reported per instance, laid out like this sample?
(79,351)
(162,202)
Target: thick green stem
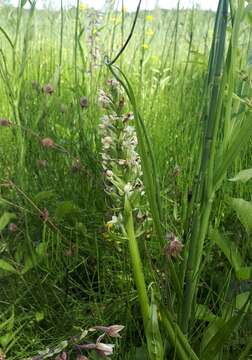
(137,267)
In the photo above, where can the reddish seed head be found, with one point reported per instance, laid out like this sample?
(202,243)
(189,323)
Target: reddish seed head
(177,170)
(47,142)
(12,227)
(70,251)
(5,122)
(175,246)
(44,215)
(48,89)
(41,163)
(84,102)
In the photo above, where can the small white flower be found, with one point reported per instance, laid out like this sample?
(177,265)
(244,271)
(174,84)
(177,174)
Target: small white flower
(113,83)
(103,99)
(122,162)
(134,141)
(112,330)
(127,188)
(105,157)
(129,129)
(109,173)
(107,141)
(104,349)
(113,221)
(106,120)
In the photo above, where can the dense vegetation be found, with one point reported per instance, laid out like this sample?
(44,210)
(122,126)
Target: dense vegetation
(125,187)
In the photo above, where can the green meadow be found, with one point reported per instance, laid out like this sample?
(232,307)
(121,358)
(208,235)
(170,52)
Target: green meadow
(125,182)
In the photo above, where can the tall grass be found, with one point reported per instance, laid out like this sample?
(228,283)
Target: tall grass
(186,77)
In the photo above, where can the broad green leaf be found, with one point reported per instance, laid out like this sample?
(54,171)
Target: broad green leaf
(154,340)
(6,339)
(44,195)
(203,313)
(8,324)
(214,346)
(66,208)
(211,330)
(247,350)
(243,210)
(228,248)
(239,140)
(5,219)
(241,299)
(41,249)
(243,175)
(34,259)
(19,253)
(244,273)
(4,265)
(176,337)
(30,262)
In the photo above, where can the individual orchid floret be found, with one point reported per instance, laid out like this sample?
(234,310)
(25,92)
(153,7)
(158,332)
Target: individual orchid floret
(107,142)
(104,350)
(103,99)
(112,331)
(127,188)
(174,247)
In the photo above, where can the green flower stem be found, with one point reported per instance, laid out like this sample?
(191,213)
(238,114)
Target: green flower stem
(136,263)
(150,174)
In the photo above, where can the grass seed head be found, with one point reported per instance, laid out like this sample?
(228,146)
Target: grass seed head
(47,142)
(44,215)
(177,170)
(41,163)
(76,166)
(48,89)
(84,102)
(174,247)
(13,227)
(5,122)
